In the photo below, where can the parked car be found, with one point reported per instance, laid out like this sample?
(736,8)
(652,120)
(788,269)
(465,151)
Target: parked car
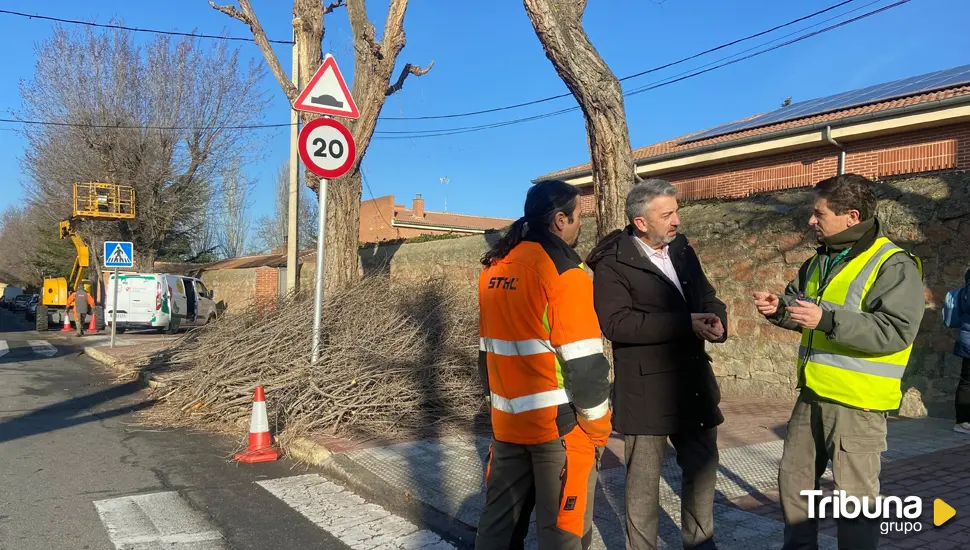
(158,300)
(20,303)
(31,314)
(9,293)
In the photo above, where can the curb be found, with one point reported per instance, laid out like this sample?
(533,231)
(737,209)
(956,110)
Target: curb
(145,378)
(346,471)
(308,451)
(363,482)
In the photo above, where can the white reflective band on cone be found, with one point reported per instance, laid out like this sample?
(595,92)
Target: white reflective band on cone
(259,422)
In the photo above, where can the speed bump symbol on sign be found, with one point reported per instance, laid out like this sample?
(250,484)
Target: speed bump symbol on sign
(327,148)
(942,512)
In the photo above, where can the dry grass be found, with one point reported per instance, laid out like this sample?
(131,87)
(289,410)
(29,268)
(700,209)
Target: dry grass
(395,360)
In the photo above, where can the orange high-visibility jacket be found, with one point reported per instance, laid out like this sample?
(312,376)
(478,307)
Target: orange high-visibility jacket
(541,352)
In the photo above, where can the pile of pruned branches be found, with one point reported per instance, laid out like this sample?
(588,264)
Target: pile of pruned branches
(395,359)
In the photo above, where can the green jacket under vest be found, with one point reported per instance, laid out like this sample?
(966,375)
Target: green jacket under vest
(870,341)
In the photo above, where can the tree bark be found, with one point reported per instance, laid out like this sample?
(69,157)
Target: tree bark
(374,63)
(559,27)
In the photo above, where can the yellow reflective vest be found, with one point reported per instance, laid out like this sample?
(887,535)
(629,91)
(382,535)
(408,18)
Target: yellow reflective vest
(840,373)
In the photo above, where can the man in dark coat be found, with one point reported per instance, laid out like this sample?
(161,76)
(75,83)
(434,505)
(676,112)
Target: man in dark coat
(658,309)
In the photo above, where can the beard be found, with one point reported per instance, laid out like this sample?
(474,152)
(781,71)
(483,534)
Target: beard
(662,238)
(575,242)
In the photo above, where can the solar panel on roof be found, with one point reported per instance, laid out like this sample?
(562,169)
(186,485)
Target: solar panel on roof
(946,78)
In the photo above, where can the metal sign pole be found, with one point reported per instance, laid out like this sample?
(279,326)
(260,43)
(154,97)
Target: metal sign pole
(114,309)
(318,295)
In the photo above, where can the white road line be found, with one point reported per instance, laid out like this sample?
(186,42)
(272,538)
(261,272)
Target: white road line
(43,347)
(348,517)
(4,349)
(157,519)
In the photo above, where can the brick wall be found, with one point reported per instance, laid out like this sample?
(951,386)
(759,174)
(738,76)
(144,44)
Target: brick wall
(375,220)
(375,223)
(758,243)
(233,289)
(236,289)
(267,285)
(927,150)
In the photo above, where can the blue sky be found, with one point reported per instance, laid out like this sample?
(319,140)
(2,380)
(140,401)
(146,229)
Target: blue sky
(478,66)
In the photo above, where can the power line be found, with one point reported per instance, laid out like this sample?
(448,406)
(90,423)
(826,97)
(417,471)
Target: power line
(665,82)
(469,113)
(469,129)
(635,75)
(148,127)
(135,29)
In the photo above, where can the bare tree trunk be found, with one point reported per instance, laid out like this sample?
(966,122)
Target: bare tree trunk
(374,65)
(559,26)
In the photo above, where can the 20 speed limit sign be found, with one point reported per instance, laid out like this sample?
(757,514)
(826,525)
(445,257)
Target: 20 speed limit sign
(327,148)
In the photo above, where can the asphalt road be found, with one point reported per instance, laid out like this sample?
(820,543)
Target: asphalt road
(78,470)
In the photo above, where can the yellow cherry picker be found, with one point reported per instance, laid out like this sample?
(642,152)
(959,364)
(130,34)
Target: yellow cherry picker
(92,201)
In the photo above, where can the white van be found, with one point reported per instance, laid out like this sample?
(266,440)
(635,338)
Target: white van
(158,300)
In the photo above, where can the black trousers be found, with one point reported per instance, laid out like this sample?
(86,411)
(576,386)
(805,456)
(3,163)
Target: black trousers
(962,401)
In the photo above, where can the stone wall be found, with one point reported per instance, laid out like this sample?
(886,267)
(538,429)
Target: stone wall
(233,289)
(758,243)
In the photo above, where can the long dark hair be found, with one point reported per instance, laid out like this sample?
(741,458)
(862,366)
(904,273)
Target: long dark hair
(543,201)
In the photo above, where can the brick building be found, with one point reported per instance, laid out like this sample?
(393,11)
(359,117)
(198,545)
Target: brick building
(383,220)
(919,124)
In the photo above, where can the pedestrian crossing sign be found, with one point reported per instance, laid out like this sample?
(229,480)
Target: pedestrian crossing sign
(118,254)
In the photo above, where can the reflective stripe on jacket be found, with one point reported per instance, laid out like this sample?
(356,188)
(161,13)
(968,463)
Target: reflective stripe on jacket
(540,347)
(840,373)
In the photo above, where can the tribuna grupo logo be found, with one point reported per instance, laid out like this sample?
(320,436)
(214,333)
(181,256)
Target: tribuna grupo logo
(898,514)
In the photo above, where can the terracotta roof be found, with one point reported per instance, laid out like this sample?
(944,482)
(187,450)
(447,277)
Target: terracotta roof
(677,144)
(259,260)
(179,268)
(450,220)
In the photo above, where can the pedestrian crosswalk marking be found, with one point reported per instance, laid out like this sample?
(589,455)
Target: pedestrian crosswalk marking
(157,519)
(43,347)
(118,256)
(349,517)
(3,348)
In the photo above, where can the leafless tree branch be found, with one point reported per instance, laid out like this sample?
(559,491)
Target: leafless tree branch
(409,69)
(231,11)
(149,93)
(248,16)
(333,5)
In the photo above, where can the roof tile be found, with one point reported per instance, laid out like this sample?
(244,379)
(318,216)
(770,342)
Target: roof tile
(676,145)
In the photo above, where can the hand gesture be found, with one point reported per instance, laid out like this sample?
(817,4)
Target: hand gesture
(806,314)
(766,303)
(707,326)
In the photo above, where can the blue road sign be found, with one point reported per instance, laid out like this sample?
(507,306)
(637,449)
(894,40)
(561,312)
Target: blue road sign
(118,254)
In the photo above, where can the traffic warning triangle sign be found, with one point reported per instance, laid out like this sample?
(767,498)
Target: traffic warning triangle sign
(327,93)
(119,256)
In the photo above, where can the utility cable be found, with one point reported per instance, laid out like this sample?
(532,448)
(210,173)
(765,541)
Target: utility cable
(134,29)
(468,129)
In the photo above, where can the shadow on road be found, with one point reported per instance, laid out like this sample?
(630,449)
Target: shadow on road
(70,413)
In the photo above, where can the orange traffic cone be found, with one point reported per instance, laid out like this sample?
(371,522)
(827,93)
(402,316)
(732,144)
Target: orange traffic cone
(67,321)
(93,325)
(260,441)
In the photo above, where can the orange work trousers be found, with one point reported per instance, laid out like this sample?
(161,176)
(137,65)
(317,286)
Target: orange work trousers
(557,479)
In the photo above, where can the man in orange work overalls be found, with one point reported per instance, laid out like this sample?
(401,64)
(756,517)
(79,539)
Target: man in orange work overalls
(545,376)
(82,303)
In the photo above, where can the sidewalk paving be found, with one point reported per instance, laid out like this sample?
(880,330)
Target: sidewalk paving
(925,458)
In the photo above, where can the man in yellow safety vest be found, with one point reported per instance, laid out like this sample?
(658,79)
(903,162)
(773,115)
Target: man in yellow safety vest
(858,304)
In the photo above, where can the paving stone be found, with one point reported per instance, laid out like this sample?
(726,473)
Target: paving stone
(448,474)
